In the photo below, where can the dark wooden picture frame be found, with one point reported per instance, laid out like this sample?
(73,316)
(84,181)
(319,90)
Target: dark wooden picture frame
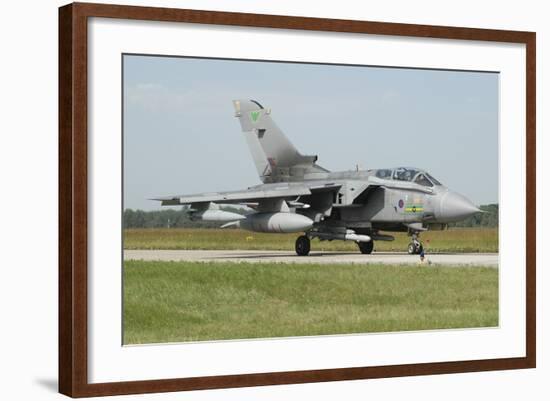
(73,195)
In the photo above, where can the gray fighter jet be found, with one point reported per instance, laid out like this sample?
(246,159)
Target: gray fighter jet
(298,195)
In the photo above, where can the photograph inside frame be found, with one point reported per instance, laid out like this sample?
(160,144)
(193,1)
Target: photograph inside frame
(268,199)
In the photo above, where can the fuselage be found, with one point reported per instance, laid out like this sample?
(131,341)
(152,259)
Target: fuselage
(393,199)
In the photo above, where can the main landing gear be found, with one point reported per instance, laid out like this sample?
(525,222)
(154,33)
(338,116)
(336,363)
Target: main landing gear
(303,245)
(415,247)
(366,247)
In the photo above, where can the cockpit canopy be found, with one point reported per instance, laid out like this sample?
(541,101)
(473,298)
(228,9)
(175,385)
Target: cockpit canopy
(409,174)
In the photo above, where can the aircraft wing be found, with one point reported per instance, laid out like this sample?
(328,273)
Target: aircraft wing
(242,196)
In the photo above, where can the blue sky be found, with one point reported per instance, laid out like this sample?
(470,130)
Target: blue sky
(181,137)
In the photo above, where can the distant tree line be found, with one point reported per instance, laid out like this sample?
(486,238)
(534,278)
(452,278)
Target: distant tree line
(172,218)
(488,219)
(169,218)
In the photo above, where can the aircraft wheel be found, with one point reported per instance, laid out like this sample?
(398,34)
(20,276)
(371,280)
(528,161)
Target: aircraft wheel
(303,245)
(415,249)
(366,247)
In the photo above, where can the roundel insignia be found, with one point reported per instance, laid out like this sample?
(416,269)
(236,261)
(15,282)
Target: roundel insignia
(401,203)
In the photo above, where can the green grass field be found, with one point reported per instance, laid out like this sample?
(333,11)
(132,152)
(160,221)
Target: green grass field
(455,240)
(187,301)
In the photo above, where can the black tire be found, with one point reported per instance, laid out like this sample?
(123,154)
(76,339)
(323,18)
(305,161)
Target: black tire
(303,245)
(366,247)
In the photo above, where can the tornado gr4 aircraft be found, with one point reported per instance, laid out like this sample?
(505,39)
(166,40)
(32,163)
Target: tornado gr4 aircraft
(298,195)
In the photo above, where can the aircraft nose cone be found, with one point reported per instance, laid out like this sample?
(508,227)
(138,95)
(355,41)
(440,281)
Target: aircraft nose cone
(455,207)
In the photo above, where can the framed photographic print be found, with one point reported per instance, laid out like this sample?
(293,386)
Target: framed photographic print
(252,199)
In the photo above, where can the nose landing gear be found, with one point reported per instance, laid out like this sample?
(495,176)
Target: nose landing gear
(415,247)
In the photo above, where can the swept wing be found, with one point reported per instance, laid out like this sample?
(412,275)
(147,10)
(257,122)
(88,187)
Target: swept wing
(240,196)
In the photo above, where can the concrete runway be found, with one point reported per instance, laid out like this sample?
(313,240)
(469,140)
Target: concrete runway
(456,259)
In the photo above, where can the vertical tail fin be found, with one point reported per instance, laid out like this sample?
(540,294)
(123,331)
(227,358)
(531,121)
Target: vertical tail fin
(275,157)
